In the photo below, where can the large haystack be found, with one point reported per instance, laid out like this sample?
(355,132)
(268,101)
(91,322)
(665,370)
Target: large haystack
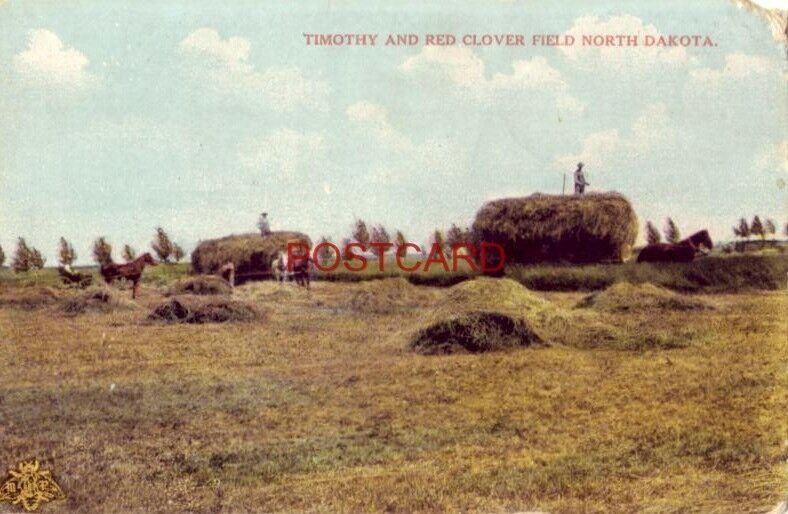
(596,227)
(252,254)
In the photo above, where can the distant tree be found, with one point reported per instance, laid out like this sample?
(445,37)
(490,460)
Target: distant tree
(744,229)
(162,245)
(2,257)
(785,230)
(380,235)
(326,254)
(128,253)
(770,228)
(65,253)
(439,239)
(177,252)
(672,234)
(400,241)
(20,262)
(756,229)
(102,251)
(361,233)
(37,260)
(652,234)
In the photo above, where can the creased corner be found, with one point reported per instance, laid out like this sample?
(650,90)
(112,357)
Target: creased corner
(776,17)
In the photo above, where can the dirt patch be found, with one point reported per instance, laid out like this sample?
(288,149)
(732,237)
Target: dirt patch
(475,332)
(627,297)
(200,285)
(191,309)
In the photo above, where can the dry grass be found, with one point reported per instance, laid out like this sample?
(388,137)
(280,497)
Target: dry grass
(323,408)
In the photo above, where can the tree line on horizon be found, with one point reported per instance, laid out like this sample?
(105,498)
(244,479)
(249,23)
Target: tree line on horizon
(27,258)
(362,233)
(744,230)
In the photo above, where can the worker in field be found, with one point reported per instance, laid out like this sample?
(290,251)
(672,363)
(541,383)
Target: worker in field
(264,225)
(580,180)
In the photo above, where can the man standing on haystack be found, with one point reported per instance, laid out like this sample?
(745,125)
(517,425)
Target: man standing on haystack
(580,180)
(263,225)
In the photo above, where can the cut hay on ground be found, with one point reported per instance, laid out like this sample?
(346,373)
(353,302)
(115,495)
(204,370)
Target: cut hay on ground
(508,297)
(624,297)
(475,332)
(98,299)
(386,296)
(251,254)
(30,297)
(200,285)
(191,309)
(587,228)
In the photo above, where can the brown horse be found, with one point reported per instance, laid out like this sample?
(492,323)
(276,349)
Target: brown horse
(130,271)
(300,268)
(683,251)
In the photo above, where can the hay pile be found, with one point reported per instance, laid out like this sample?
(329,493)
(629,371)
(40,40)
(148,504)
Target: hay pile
(386,296)
(252,254)
(30,298)
(626,297)
(474,332)
(596,227)
(200,285)
(192,309)
(481,315)
(98,299)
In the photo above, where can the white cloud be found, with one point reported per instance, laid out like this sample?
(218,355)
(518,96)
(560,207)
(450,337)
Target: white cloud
(737,67)
(47,60)
(602,150)
(467,72)
(620,57)
(436,155)
(207,41)
(225,63)
(285,152)
(773,157)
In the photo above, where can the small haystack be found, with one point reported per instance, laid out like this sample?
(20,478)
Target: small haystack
(192,309)
(626,297)
(200,285)
(30,297)
(474,332)
(596,227)
(251,254)
(99,299)
(495,294)
(384,296)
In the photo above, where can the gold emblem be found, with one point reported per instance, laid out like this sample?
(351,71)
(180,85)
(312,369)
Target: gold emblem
(30,486)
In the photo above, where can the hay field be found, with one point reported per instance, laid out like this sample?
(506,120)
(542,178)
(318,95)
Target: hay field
(318,404)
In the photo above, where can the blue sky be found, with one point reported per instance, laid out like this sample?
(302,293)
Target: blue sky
(118,117)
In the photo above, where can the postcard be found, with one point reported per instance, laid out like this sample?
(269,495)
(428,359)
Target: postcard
(328,256)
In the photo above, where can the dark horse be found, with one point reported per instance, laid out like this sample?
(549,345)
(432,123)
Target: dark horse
(300,268)
(130,271)
(683,251)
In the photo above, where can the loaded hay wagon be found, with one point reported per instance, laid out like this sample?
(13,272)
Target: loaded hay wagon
(251,255)
(578,229)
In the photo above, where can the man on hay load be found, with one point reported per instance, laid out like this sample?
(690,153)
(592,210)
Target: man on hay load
(264,225)
(580,180)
